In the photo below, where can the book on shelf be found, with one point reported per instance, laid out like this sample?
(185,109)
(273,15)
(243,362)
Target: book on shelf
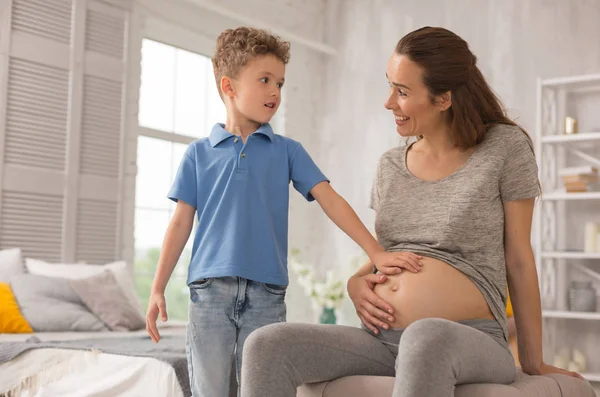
(580,178)
(582,187)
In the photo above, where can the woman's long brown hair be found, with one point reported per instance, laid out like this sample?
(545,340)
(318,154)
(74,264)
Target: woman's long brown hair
(449,65)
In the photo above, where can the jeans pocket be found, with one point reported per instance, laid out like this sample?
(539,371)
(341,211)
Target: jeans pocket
(201,283)
(275,289)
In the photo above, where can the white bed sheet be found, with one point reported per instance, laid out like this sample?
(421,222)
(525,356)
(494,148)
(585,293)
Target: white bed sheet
(76,373)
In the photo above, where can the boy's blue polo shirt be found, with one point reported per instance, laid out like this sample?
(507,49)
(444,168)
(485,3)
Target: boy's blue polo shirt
(241,194)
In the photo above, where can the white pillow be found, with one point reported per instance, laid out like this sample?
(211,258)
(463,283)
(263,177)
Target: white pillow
(78,271)
(11,264)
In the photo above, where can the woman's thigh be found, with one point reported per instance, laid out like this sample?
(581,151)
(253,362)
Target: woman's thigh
(313,353)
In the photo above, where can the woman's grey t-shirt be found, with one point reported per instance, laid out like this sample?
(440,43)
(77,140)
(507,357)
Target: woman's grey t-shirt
(458,219)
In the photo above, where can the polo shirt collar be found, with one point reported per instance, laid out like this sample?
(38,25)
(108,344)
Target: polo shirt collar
(218,133)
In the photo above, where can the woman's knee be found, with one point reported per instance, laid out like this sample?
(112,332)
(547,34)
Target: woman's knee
(265,338)
(269,340)
(427,335)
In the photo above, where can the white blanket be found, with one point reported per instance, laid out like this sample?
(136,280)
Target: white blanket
(74,373)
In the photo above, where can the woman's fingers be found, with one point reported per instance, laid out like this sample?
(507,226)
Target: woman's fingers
(380,318)
(367,324)
(373,300)
(378,308)
(374,320)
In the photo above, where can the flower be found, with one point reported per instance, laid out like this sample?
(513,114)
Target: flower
(328,293)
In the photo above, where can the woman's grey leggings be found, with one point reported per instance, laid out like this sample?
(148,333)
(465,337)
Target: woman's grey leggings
(428,358)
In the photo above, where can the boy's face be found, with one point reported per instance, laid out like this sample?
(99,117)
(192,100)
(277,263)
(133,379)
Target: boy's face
(257,88)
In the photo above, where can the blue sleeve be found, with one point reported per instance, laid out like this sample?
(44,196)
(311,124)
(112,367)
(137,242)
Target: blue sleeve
(304,173)
(184,186)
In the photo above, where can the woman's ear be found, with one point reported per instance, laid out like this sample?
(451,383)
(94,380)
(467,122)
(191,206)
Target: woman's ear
(227,87)
(444,101)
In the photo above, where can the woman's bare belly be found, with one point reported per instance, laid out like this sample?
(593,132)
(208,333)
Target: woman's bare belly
(438,290)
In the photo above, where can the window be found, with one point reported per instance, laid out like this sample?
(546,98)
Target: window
(178,92)
(178,103)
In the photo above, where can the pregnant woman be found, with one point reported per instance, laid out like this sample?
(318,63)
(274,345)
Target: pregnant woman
(460,195)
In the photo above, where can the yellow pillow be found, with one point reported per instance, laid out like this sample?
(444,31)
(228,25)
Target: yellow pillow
(11,319)
(509,309)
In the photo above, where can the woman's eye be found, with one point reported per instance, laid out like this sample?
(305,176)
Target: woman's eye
(401,93)
(280,85)
(265,80)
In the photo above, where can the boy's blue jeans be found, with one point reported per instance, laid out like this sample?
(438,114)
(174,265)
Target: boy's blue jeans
(222,313)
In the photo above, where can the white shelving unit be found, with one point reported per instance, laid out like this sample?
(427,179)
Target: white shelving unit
(570,315)
(556,255)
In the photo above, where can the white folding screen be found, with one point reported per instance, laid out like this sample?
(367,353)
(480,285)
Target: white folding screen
(62,78)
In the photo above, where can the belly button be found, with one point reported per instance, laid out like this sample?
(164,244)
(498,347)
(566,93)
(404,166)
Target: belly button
(394,287)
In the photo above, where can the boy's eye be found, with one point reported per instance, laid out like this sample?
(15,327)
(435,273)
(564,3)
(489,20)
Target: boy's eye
(280,85)
(265,80)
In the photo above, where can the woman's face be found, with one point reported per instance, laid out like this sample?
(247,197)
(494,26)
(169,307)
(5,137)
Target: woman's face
(409,98)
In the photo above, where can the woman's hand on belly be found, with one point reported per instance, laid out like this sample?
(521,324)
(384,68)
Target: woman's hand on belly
(372,310)
(439,290)
(393,262)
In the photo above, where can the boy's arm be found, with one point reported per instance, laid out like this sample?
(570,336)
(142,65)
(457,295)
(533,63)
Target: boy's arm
(176,237)
(340,212)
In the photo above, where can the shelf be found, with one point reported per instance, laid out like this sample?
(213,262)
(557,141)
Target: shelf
(590,78)
(579,139)
(571,315)
(561,195)
(571,255)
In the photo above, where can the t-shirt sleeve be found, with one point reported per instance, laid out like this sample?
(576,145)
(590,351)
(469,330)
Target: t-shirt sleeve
(374,201)
(304,173)
(519,177)
(184,186)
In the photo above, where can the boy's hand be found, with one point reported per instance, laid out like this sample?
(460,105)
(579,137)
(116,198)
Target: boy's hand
(156,305)
(392,262)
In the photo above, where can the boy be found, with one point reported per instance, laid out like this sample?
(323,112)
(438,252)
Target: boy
(237,180)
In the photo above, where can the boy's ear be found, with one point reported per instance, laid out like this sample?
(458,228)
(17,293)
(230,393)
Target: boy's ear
(227,86)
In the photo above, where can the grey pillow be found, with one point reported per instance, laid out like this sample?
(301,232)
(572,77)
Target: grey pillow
(105,298)
(50,305)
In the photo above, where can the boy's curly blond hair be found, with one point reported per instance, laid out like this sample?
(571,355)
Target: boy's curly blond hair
(235,47)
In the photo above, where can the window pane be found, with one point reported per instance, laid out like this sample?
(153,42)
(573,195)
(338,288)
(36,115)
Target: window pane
(178,91)
(198,105)
(150,228)
(190,107)
(155,173)
(157,90)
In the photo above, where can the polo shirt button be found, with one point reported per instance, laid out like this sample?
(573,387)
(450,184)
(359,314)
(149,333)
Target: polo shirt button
(243,154)
(235,140)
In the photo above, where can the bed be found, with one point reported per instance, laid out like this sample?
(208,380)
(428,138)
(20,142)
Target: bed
(73,370)
(79,330)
